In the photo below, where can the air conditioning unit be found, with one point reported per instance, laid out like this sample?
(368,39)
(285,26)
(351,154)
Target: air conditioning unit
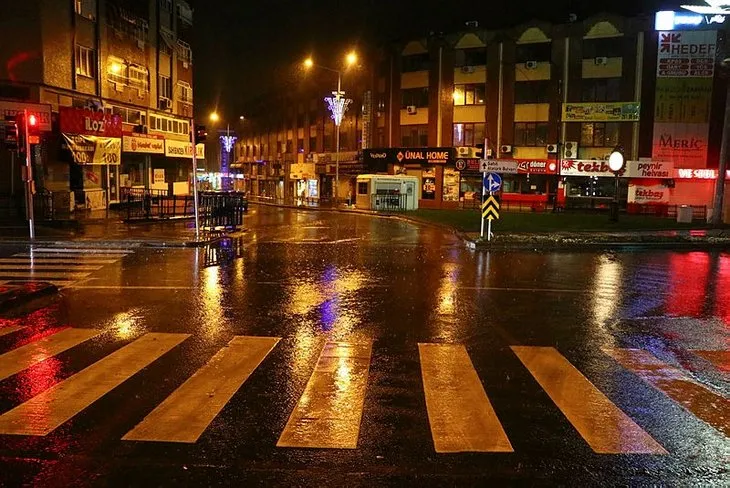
(531,64)
(570,150)
(164,103)
(463,151)
(505,148)
(601,61)
(467,69)
(552,148)
(186,65)
(411,110)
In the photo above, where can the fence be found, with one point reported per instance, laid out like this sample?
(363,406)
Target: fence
(389,203)
(222,209)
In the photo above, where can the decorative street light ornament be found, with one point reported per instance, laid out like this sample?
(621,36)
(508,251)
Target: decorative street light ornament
(616,161)
(338,106)
(228,142)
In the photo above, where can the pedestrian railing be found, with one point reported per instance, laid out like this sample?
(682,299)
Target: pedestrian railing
(389,202)
(222,210)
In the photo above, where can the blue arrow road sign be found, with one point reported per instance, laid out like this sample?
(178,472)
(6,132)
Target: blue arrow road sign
(492,182)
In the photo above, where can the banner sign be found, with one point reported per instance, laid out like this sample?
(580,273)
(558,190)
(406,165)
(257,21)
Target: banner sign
(583,167)
(601,112)
(648,194)
(649,169)
(684,144)
(141,143)
(183,149)
(683,100)
(94,150)
(90,122)
(687,53)
(42,112)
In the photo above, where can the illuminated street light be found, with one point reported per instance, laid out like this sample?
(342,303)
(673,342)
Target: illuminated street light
(214,117)
(616,162)
(351,58)
(308,63)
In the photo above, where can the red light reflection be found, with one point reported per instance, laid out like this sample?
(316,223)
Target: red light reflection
(688,274)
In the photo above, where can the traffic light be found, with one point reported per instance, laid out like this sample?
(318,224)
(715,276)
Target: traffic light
(34,130)
(200,133)
(10,140)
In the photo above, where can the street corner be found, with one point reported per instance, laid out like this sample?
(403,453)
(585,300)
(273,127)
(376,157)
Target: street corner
(15,294)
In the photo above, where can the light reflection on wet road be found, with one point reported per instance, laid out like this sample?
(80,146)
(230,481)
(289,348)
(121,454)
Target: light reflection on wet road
(312,278)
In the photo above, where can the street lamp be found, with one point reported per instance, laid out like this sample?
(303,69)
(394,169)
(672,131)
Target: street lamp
(616,162)
(337,105)
(227,143)
(214,117)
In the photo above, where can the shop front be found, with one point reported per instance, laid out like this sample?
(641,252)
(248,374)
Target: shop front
(325,165)
(303,181)
(590,184)
(137,152)
(94,141)
(177,166)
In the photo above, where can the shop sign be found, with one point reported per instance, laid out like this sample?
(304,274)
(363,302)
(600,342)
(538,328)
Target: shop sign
(695,174)
(89,122)
(431,155)
(683,100)
(667,20)
(93,149)
(536,166)
(649,169)
(685,144)
(183,149)
(687,53)
(601,112)
(140,143)
(302,171)
(42,112)
(584,167)
(648,194)
(158,176)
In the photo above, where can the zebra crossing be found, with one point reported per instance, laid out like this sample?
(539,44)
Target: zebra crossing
(329,411)
(56,265)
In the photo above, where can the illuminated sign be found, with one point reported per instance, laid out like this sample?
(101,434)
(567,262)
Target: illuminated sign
(668,20)
(716,8)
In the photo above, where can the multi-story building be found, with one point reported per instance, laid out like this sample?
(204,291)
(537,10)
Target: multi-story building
(112,82)
(555,99)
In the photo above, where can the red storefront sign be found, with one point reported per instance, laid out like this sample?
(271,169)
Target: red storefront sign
(536,166)
(89,122)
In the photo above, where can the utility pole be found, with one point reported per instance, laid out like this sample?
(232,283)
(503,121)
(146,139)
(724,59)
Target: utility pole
(722,167)
(28,177)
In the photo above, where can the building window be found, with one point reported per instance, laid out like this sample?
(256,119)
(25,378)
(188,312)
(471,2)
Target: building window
(362,188)
(537,51)
(185,92)
(166,5)
(184,52)
(470,57)
(117,71)
(139,78)
(85,62)
(601,89)
(414,62)
(609,47)
(164,87)
(414,135)
(599,134)
(531,133)
(85,8)
(417,97)
(313,143)
(532,91)
(469,134)
(469,94)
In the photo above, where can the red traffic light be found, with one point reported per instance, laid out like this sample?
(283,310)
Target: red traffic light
(32,120)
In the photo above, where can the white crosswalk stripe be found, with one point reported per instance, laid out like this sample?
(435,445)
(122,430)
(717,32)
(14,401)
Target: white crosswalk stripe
(60,266)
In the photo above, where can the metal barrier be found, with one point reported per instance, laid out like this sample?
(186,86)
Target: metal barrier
(222,210)
(699,212)
(388,203)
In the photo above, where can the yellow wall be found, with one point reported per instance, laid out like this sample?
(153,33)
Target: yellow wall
(421,117)
(528,152)
(532,112)
(469,113)
(416,79)
(478,76)
(541,72)
(613,68)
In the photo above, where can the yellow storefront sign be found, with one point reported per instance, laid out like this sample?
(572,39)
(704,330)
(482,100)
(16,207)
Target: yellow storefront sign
(601,112)
(683,100)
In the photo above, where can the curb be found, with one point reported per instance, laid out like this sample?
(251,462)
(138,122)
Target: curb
(101,243)
(15,297)
(592,246)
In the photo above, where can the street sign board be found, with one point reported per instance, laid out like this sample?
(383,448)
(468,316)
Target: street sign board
(490,208)
(498,166)
(492,182)
(460,164)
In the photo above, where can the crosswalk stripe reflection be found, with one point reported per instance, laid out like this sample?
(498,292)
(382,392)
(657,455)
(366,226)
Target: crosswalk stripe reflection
(69,260)
(188,411)
(9,330)
(461,417)
(719,359)
(47,411)
(329,411)
(26,356)
(702,402)
(605,428)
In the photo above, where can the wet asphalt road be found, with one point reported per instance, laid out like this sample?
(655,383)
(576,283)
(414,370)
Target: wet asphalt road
(309,278)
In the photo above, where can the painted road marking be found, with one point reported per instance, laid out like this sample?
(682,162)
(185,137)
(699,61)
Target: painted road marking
(705,404)
(719,359)
(461,417)
(9,330)
(329,411)
(602,424)
(125,287)
(43,275)
(85,250)
(26,356)
(20,267)
(187,412)
(67,260)
(37,255)
(45,412)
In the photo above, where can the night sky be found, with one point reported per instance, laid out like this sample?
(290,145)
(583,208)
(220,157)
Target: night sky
(242,47)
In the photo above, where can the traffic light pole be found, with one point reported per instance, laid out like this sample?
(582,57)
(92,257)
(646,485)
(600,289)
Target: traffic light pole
(28,177)
(195,179)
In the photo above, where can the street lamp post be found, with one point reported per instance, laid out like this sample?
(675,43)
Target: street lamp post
(616,163)
(337,105)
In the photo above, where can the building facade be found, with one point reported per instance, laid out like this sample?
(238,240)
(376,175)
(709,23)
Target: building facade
(554,101)
(115,79)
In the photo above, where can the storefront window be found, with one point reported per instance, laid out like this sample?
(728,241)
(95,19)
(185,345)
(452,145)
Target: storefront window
(527,184)
(471,187)
(451,185)
(428,184)
(599,134)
